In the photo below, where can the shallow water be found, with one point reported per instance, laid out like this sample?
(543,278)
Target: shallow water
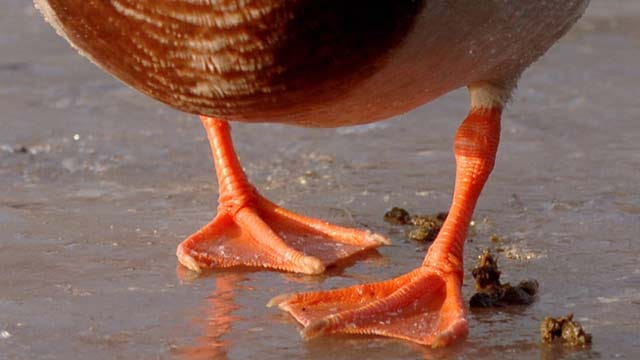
(99,184)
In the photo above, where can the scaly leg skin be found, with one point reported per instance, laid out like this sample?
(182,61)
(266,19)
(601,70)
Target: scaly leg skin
(425,305)
(249,230)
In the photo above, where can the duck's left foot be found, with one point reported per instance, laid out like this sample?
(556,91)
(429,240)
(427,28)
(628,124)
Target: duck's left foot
(249,230)
(424,306)
(262,234)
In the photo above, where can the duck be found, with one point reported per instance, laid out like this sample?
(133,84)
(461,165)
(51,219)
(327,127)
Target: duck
(325,63)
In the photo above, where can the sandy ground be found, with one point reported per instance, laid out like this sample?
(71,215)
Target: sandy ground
(98,185)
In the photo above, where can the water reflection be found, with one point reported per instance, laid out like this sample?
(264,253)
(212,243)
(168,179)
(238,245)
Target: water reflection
(560,351)
(219,308)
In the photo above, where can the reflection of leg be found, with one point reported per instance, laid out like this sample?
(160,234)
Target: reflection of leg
(424,305)
(249,230)
(219,321)
(220,307)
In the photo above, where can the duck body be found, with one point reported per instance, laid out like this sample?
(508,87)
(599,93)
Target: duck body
(310,62)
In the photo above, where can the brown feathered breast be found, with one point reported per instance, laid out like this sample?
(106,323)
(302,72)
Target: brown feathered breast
(311,62)
(251,60)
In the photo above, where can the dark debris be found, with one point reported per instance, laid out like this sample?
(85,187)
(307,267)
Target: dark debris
(564,329)
(425,227)
(15,149)
(397,216)
(491,293)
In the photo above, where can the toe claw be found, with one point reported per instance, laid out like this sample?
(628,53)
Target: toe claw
(280,300)
(311,265)
(188,261)
(459,329)
(378,239)
(315,329)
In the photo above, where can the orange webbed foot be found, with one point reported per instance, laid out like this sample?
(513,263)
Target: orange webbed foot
(424,306)
(265,235)
(249,230)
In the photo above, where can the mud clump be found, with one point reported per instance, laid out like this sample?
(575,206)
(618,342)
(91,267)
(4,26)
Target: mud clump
(491,293)
(425,227)
(397,216)
(564,329)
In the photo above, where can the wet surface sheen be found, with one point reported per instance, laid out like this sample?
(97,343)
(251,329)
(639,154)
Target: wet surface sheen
(98,185)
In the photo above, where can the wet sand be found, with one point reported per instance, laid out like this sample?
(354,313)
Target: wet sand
(98,185)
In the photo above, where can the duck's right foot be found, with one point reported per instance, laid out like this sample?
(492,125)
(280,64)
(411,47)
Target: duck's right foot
(424,306)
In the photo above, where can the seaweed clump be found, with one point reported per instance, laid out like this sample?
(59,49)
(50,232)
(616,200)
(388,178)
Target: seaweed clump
(565,329)
(491,293)
(425,227)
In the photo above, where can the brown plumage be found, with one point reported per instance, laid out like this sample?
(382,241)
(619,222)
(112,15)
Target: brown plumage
(236,59)
(313,63)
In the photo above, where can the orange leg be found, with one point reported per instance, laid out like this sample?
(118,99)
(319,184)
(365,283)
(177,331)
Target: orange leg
(424,305)
(249,230)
